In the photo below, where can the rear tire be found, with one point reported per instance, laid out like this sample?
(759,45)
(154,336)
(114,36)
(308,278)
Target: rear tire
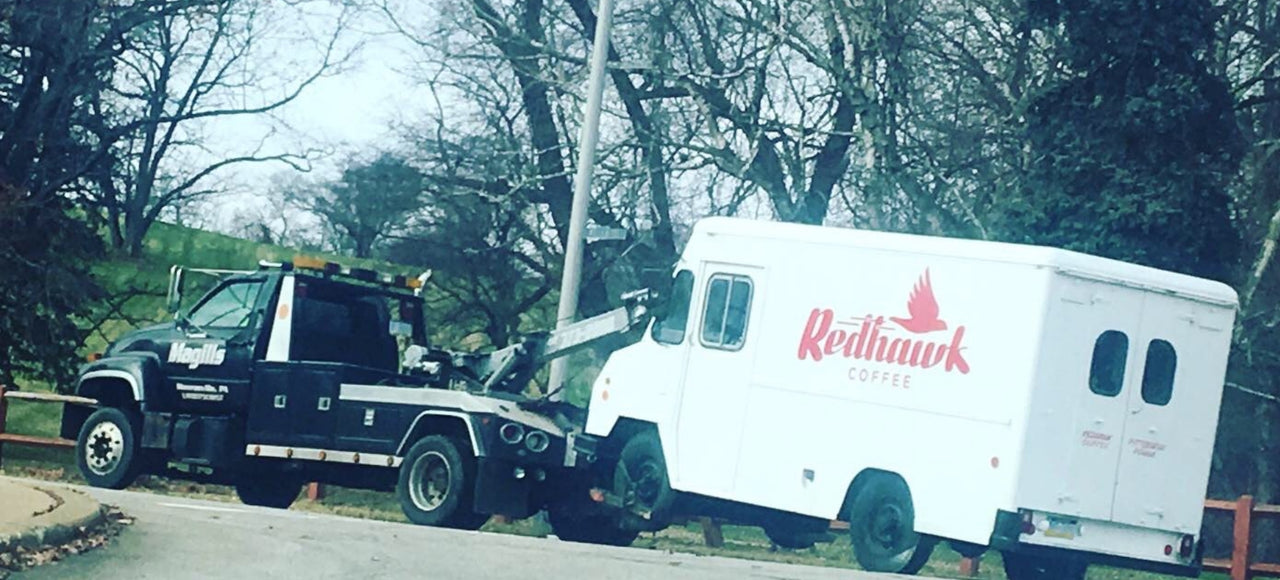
(1025,567)
(108,449)
(437,485)
(268,489)
(792,539)
(882,527)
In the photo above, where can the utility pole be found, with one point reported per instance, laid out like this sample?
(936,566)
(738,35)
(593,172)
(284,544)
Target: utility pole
(582,186)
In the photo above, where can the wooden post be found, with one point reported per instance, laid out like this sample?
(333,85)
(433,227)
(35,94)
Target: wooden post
(1240,538)
(711,533)
(315,491)
(4,410)
(969,567)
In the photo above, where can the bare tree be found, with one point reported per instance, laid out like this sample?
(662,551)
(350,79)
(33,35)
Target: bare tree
(371,202)
(179,72)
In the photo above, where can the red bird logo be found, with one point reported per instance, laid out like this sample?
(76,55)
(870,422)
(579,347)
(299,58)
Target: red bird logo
(923,308)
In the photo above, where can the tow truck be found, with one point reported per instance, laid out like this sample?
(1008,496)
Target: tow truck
(310,371)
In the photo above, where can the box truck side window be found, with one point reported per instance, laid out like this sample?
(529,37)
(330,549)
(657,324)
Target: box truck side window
(1157,375)
(724,320)
(1110,353)
(669,329)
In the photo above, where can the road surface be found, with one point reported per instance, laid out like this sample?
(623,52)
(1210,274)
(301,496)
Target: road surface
(175,538)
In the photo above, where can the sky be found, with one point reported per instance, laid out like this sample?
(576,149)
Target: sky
(350,110)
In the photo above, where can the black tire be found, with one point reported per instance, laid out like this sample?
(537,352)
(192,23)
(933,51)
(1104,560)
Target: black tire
(640,479)
(589,528)
(882,528)
(108,449)
(273,490)
(789,539)
(1025,567)
(437,485)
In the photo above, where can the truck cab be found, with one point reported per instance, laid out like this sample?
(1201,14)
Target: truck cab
(308,371)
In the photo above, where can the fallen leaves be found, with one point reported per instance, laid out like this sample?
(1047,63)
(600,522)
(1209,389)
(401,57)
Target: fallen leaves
(85,539)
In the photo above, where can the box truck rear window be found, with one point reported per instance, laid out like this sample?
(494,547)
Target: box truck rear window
(724,321)
(1157,375)
(1106,373)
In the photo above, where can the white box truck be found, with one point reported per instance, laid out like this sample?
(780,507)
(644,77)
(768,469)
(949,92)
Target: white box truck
(1055,406)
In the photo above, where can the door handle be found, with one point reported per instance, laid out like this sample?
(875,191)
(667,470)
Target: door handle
(323,403)
(280,401)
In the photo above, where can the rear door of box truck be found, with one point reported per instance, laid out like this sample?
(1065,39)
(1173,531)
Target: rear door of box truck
(1122,418)
(1172,396)
(1077,412)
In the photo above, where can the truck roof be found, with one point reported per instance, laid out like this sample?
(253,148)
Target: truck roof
(1064,261)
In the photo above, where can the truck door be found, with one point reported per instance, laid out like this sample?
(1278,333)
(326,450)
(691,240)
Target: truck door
(209,358)
(1093,335)
(1172,400)
(713,401)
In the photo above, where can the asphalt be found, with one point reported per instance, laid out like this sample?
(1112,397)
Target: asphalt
(176,538)
(35,514)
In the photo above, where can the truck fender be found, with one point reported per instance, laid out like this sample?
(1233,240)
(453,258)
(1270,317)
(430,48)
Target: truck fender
(137,370)
(444,423)
(118,381)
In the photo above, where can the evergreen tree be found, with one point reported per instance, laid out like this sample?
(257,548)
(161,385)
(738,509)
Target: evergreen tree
(1131,151)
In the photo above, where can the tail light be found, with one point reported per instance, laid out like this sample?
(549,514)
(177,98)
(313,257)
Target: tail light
(1187,546)
(1028,522)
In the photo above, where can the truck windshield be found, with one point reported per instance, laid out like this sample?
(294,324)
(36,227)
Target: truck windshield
(670,328)
(229,307)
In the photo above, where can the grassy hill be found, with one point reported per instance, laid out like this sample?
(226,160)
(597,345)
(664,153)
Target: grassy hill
(136,287)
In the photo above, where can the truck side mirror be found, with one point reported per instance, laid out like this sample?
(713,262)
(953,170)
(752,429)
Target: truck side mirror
(174,299)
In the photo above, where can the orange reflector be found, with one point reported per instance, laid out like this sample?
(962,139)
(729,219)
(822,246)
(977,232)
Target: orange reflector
(94,356)
(308,263)
(282,312)
(322,456)
(413,283)
(604,395)
(597,495)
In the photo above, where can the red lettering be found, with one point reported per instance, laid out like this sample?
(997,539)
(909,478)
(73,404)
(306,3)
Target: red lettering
(872,343)
(834,341)
(955,358)
(810,341)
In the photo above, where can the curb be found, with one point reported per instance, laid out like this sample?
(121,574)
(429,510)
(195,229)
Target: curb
(77,512)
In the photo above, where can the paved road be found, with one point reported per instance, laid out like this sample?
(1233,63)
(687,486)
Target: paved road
(178,538)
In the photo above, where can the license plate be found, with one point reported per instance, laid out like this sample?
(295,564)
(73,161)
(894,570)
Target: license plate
(1064,528)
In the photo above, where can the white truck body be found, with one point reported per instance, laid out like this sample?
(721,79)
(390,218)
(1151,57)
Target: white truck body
(991,377)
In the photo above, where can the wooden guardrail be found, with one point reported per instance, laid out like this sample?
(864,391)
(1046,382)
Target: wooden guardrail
(1244,512)
(8,394)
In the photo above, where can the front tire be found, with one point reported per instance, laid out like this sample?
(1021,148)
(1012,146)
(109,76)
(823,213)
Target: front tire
(1025,567)
(268,490)
(640,479)
(882,528)
(589,528)
(108,450)
(437,485)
